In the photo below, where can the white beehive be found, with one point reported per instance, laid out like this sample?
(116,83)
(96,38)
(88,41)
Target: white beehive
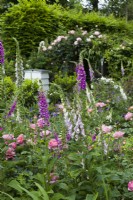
(38,74)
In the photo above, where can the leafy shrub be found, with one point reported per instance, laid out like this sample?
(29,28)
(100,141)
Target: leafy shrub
(29,89)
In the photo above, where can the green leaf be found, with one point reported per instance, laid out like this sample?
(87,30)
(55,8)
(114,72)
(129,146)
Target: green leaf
(91,196)
(58,196)
(7,195)
(63,186)
(44,193)
(15,184)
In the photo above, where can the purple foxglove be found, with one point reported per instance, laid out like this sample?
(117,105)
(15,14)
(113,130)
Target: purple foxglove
(43,107)
(81,77)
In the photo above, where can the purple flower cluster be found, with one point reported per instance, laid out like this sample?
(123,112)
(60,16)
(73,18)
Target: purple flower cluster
(12,109)
(1,53)
(43,107)
(81,77)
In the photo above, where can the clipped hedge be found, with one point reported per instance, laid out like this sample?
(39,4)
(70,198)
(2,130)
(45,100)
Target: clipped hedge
(32,21)
(29,22)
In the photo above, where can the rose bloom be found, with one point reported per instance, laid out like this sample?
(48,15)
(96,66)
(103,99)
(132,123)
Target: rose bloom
(33,126)
(53,143)
(40,122)
(106,129)
(10,153)
(130,186)
(118,134)
(13,145)
(100,104)
(20,139)
(128,116)
(8,137)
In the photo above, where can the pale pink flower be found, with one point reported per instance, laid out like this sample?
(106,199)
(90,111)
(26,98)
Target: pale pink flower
(75,43)
(128,116)
(20,139)
(33,126)
(130,186)
(13,145)
(40,122)
(100,36)
(49,47)
(84,33)
(60,106)
(100,104)
(10,153)
(71,32)
(8,137)
(53,143)
(118,134)
(89,110)
(106,129)
(88,39)
(79,39)
(45,133)
(96,33)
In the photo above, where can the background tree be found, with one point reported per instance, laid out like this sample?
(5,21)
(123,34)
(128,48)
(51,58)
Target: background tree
(119,8)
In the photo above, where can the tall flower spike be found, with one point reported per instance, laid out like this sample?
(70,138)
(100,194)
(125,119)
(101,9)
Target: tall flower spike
(1,53)
(81,77)
(12,109)
(43,107)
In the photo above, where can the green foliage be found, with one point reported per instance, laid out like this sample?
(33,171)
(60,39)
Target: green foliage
(28,22)
(29,89)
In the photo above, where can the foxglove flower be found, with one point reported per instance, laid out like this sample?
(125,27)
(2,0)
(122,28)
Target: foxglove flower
(81,77)
(12,109)
(1,53)
(43,108)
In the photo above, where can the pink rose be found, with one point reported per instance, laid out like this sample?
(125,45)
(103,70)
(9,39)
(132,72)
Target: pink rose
(8,137)
(118,134)
(13,145)
(53,143)
(130,186)
(33,126)
(10,153)
(128,116)
(20,139)
(100,104)
(40,122)
(106,129)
